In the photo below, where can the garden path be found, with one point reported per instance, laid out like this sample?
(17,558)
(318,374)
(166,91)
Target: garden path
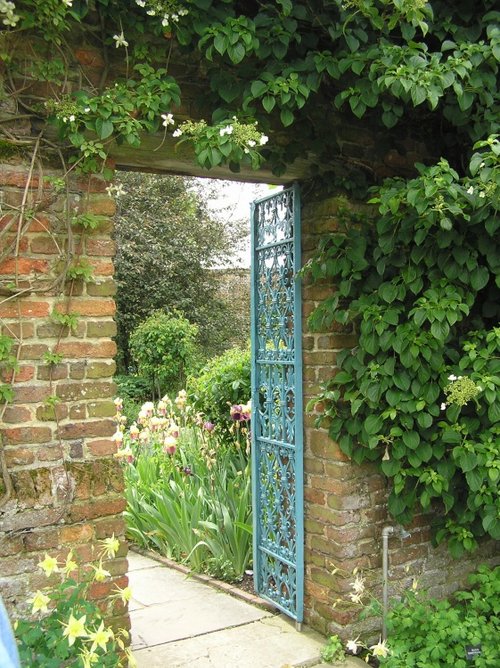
(179,622)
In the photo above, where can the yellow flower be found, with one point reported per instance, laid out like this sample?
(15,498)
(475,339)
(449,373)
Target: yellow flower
(70,565)
(49,565)
(100,638)
(111,546)
(89,658)
(75,628)
(131,660)
(124,594)
(380,649)
(100,573)
(121,636)
(39,602)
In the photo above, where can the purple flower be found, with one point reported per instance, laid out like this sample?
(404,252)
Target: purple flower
(208,426)
(235,412)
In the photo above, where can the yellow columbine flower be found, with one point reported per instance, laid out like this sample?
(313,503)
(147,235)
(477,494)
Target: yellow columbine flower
(124,594)
(110,546)
(49,565)
(131,660)
(100,638)
(75,628)
(70,565)
(39,602)
(88,658)
(100,573)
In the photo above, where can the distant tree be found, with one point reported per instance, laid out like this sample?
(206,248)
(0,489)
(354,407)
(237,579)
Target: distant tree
(167,244)
(164,348)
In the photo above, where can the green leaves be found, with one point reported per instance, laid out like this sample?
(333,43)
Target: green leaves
(412,292)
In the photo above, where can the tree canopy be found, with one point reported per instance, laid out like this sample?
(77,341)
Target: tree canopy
(168,243)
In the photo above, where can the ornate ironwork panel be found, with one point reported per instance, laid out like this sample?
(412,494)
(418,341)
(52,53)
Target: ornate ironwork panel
(277,441)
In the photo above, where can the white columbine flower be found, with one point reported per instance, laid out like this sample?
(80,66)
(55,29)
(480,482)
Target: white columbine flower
(120,40)
(168,119)
(177,133)
(263,140)
(352,646)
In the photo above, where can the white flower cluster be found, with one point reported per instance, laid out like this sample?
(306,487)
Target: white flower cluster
(116,190)
(169,11)
(8,8)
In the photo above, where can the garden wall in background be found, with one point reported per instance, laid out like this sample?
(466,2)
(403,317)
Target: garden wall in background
(345,504)
(63,490)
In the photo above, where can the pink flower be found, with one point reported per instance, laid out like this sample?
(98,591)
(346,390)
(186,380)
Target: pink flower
(208,426)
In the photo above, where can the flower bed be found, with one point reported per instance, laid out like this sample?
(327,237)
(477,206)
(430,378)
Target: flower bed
(188,491)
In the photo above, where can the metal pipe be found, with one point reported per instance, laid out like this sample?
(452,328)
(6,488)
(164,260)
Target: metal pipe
(386,532)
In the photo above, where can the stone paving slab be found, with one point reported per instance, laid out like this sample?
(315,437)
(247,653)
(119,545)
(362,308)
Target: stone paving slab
(271,642)
(179,622)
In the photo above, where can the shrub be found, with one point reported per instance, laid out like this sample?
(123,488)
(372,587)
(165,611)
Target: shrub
(428,632)
(164,348)
(224,381)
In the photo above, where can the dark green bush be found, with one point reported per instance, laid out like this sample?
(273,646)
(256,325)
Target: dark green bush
(224,381)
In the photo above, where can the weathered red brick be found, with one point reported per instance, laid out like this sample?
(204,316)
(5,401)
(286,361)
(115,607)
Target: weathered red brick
(18,435)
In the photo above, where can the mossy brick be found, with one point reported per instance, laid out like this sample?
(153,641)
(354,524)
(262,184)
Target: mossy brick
(101,329)
(51,330)
(79,391)
(77,370)
(101,409)
(50,413)
(78,411)
(102,289)
(100,246)
(312,526)
(52,372)
(100,370)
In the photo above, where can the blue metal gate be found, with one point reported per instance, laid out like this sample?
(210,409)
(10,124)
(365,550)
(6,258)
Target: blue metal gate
(277,435)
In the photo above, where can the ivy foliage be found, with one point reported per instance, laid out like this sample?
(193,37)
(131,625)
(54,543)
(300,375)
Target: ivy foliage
(420,394)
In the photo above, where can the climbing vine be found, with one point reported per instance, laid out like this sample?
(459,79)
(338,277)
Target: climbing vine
(282,80)
(420,393)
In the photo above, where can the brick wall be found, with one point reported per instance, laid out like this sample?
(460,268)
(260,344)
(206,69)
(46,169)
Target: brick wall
(66,488)
(345,504)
